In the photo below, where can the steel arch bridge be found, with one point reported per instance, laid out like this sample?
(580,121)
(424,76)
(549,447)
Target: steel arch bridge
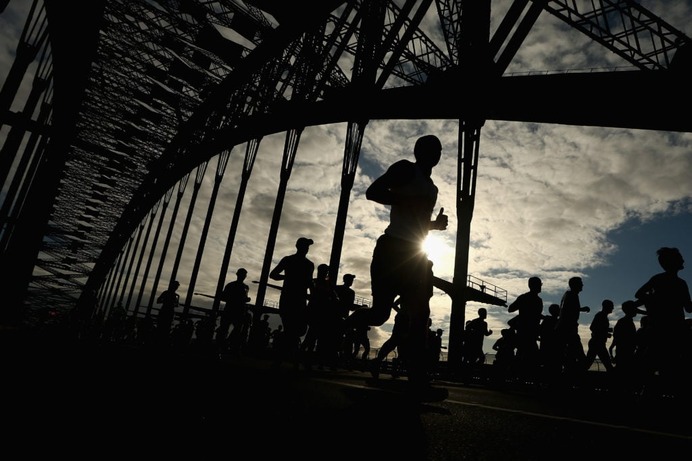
(131,99)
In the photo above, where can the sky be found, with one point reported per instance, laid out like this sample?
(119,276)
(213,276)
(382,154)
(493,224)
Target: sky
(552,201)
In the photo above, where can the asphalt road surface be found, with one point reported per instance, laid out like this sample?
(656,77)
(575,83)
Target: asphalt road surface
(104,404)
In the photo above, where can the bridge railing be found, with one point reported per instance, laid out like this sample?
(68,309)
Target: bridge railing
(485,287)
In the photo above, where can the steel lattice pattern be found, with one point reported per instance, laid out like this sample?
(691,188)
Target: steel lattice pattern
(173,83)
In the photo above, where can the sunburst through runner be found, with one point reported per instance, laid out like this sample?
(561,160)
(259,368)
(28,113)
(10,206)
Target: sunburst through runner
(437,249)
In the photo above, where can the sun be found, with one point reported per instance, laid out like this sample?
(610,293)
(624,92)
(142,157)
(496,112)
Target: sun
(437,249)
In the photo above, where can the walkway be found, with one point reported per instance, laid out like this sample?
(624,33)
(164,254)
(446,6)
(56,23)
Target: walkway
(110,401)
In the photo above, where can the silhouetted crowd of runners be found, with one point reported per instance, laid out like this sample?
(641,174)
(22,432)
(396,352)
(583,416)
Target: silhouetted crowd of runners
(322,326)
(655,356)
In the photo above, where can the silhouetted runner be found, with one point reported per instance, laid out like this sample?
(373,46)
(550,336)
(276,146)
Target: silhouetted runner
(235,296)
(296,272)
(505,347)
(474,335)
(399,265)
(529,306)
(600,333)
(624,346)
(572,354)
(549,346)
(169,300)
(666,298)
(346,305)
(347,296)
(324,329)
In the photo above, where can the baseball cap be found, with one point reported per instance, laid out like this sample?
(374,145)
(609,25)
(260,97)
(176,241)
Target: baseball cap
(304,241)
(349,276)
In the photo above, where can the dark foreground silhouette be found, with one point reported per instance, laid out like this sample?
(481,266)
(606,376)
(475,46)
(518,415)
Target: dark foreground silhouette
(66,399)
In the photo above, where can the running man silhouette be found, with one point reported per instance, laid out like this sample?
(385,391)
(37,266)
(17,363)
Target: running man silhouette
(346,305)
(548,348)
(296,272)
(399,265)
(571,349)
(324,329)
(529,306)
(666,298)
(235,296)
(474,335)
(435,352)
(169,300)
(504,348)
(347,296)
(600,332)
(624,345)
